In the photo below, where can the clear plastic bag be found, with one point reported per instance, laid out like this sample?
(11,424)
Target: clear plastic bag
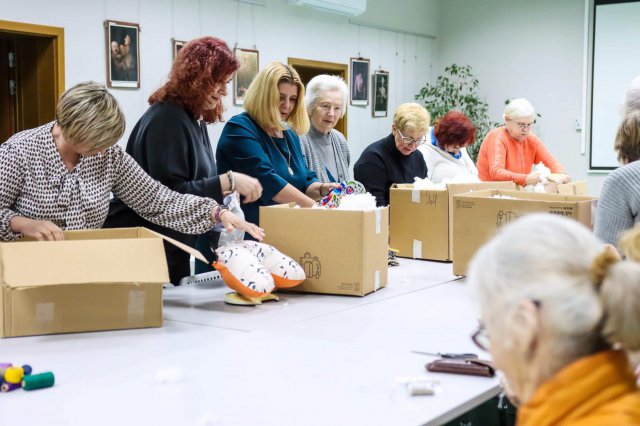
(233,201)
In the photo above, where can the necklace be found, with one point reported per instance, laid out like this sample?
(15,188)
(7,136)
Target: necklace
(283,157)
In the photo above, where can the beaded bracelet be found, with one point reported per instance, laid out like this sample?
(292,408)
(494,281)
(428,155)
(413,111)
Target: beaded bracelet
(218,214)
(232,182)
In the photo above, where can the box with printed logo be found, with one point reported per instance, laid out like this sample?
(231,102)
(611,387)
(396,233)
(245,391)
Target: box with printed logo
(341,251)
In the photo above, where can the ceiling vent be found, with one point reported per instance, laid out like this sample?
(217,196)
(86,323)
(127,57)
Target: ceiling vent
(342,7)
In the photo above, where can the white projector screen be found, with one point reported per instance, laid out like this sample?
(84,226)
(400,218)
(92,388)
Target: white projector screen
(616,61)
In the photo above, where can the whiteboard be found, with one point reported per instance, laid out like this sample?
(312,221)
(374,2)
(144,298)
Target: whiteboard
(616,61)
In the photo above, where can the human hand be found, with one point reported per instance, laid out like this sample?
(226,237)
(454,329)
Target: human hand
(230,222)
(532,178)
(248,187)
(127,40)
(325,188)
(41,230)
(565,178)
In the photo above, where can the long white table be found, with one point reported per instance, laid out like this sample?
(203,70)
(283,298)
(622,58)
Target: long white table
(307,359)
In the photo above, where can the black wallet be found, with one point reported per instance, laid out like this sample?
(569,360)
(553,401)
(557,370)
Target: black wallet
(468,366)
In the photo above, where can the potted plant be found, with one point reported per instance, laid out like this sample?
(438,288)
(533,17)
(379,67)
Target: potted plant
(457,89)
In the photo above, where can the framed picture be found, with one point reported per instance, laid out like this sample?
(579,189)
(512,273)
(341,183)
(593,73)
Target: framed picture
(249,61)
(123,54)
(380,93)
(176,46)
(359,81)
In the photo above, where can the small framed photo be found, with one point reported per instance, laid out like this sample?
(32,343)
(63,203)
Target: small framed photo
(249,62)
(123,54)
(359,81)
(380,82)
(176,46)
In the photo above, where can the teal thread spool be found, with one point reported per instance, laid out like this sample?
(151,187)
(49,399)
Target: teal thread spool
(38,381)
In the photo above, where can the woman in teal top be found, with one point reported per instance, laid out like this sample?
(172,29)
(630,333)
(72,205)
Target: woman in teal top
(258,144)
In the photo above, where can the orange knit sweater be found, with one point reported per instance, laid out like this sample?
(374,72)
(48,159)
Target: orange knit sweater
(503,158)
(598,390)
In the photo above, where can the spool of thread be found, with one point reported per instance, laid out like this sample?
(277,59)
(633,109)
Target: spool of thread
(27,369)
(38,381)
(8,387)
(3,367)
(13,375)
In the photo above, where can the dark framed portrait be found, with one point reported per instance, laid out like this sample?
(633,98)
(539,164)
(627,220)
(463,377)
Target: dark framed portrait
(176,45)
(380,82)
(249,62)
(359,81)
(123,54)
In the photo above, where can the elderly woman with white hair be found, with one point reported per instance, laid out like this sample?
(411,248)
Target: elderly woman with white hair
(508,153)
(324,148)
(559,311)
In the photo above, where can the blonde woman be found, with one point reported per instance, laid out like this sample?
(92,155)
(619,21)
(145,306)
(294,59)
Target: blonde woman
(395,159)
(559,308)
(263,141)
(59,176)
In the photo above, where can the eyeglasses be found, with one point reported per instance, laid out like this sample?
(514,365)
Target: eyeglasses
(524,126)
(411,141)
(325,108)
(481,337)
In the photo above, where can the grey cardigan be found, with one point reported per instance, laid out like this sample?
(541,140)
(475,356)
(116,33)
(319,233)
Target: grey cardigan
(314,157)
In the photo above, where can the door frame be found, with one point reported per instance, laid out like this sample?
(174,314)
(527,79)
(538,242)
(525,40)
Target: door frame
(57,33)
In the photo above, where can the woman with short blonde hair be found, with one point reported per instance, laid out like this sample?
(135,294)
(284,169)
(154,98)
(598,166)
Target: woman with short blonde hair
(263,141)
(60,175)
(395,159)
(559,308)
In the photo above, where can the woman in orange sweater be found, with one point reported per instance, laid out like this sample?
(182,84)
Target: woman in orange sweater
(559,310)
(509,152)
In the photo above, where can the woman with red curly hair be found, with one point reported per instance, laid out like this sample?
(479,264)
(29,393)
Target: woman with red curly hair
(171,143)
(445,151)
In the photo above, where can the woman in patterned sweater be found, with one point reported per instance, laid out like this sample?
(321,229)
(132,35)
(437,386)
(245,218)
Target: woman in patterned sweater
(60,175)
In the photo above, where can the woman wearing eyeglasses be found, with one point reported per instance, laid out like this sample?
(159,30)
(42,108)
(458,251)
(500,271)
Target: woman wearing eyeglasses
(395,159)
(508,153)
(324,148)
(445,151)
(560,308)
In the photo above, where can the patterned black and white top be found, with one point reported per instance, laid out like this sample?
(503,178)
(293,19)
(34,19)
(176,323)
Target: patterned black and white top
(34,183)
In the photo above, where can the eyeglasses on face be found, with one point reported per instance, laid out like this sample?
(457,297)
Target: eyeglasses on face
(411,141)
(326,107)
(481,337)
(523,126)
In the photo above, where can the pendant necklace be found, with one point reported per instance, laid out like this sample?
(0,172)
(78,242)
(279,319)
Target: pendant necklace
(283,157)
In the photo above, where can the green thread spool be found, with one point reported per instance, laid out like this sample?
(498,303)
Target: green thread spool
(38,381)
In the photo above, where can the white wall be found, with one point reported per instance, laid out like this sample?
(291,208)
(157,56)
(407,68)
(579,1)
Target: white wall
(278,30)
(524,48)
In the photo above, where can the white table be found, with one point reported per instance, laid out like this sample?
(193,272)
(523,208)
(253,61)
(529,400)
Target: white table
(308,359)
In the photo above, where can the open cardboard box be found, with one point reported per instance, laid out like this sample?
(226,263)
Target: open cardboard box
(341,251)
(477,216)
(422,219)
(104,279)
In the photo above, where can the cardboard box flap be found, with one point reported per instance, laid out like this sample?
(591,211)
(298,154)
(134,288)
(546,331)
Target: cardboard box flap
(193,252)
(44,263)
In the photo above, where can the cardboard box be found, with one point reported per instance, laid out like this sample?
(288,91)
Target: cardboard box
(477,216)
(422,219)
(103,279)
(341,251)
(574,188)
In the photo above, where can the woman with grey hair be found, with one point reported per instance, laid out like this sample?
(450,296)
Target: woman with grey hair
(632,97)
(508,153)
(559,311)
(325,149)
(59,176)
